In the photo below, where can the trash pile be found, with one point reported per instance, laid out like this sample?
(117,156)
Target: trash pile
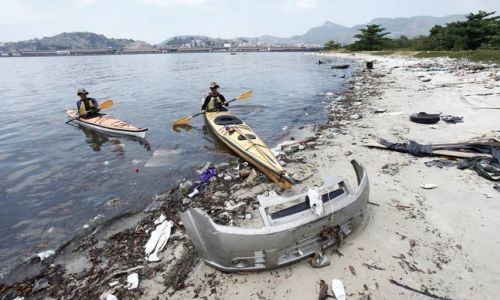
(347,105)
(117,263)
(480,155)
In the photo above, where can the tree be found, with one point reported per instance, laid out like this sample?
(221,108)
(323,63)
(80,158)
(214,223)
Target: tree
(479,30)
(332,45)
(370,38)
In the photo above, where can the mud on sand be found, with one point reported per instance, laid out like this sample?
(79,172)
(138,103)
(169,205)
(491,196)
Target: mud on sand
(414,243)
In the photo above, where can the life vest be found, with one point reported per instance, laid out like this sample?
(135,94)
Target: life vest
(85,106)
(215,102)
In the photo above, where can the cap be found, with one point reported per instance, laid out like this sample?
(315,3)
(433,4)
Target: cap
(82,91)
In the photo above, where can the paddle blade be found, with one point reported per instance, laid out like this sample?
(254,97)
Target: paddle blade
(182,121)
(245,95)
(106,104)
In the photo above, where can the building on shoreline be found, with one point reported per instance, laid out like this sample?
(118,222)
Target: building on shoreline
(110,51)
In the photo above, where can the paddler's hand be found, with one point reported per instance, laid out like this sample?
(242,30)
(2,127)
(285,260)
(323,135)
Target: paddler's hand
(226,104)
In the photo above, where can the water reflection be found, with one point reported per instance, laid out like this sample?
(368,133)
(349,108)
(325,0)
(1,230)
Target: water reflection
(96,139)
(182,127)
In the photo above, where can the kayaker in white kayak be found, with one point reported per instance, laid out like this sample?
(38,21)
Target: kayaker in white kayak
(214,100)
(87,107)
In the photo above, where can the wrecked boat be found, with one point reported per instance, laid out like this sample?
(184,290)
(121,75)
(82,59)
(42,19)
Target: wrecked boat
(316,219)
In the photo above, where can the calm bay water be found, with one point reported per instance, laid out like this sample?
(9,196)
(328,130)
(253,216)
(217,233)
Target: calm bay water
(55,178)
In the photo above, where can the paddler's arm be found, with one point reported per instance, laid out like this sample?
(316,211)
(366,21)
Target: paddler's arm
(96,105)
(205,103)
(223,100)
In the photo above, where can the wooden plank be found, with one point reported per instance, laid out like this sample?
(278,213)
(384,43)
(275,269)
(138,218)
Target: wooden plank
(447,153)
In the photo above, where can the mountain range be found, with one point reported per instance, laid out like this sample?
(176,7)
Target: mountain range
(410,27)
(317,36)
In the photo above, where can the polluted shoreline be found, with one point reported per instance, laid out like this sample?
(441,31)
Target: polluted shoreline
(404,247)
(27,278)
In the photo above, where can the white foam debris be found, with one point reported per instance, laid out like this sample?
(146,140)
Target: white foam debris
(108,295)
(132,281)
(193,193)
(338,289)
(429,186)
(46,254)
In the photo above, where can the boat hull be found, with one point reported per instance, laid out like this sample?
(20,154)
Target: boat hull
(108,124)
(251,148)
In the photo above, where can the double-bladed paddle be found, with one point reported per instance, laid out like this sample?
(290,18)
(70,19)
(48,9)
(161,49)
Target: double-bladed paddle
(185,120)
(104,105)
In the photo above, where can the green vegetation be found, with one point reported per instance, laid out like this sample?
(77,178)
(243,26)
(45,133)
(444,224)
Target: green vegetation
(490,56)
(370,38)
(477,38)
(332,45)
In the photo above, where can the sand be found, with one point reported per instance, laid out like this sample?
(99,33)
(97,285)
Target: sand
(443,242)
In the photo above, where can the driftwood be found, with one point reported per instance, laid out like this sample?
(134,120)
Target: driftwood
(311,139)
(425,293)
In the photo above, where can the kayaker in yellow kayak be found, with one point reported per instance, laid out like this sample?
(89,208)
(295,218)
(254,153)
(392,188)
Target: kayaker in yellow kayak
(87,107)
(214,100)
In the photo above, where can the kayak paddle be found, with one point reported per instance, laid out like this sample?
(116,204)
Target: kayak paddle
(186,119)
(104,105)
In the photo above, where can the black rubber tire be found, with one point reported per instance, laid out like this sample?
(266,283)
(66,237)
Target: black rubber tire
(425,118)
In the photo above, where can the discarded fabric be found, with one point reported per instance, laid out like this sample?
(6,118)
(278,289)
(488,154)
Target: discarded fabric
(411,147)
(205,177)
(158,239)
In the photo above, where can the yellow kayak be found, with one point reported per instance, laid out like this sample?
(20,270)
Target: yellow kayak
(240,138)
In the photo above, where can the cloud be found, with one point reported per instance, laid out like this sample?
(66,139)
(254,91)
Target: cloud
(174,2)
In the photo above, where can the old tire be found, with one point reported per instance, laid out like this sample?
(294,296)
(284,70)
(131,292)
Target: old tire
(425,118)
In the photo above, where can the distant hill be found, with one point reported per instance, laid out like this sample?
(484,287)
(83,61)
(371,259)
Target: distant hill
(410,27)
(76,40)
(316,36)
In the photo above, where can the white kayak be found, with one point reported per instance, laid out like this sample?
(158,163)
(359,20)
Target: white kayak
(108,124)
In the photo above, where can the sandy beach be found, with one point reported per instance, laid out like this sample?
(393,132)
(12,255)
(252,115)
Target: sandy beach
(440,242)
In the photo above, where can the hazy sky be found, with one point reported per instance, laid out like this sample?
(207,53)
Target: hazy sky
(157,20)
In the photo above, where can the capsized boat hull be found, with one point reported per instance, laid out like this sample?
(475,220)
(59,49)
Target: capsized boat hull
(108,124)
(246,144)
